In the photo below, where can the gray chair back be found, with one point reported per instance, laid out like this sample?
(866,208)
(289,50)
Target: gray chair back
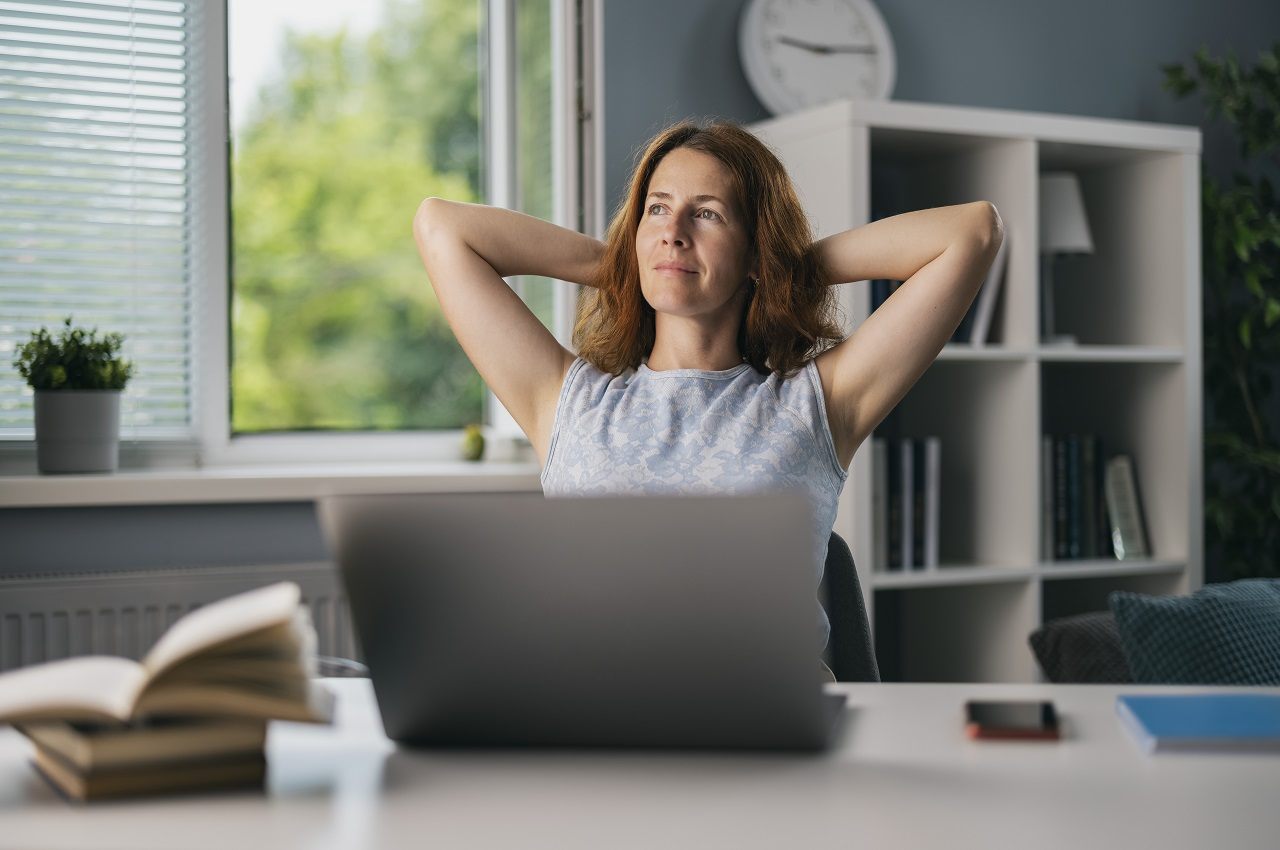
(849,652)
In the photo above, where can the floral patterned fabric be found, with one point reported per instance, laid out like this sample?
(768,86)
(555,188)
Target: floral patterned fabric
(697,432)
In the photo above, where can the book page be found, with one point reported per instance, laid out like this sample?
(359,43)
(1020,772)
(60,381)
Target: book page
(223,620)
(307,701)
(93,687)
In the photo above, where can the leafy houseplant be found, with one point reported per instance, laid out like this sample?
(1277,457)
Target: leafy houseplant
(1241,245)
(77,379)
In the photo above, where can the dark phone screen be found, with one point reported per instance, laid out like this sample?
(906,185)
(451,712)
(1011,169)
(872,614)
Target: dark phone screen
(1011,715)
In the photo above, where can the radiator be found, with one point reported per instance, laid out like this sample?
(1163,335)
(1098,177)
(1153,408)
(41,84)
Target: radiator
(124,613)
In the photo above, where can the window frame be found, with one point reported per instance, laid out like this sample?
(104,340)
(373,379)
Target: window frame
(577,78)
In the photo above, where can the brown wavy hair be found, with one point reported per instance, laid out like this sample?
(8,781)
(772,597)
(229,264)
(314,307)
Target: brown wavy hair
(789,315)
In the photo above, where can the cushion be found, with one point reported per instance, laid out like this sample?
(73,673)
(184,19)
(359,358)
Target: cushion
(1084,649)
(1223,634)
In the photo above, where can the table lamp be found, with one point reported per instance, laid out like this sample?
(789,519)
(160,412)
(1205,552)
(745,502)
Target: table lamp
(1064,229)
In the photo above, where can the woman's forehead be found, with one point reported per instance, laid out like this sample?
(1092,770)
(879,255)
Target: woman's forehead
(692,175)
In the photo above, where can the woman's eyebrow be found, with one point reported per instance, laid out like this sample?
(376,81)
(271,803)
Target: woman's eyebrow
(698,198)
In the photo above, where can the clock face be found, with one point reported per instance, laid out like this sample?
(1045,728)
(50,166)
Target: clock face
(799,53)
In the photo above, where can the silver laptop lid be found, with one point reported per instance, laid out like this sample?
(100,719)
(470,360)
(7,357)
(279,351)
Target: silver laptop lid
(649,621)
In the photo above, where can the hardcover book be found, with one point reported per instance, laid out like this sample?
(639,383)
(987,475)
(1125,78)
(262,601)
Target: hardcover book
(1242,722)
(250,655)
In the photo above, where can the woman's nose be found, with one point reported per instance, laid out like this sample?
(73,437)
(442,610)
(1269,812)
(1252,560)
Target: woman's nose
(673,231)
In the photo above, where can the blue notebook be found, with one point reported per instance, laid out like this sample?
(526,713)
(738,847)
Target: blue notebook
(1237,722)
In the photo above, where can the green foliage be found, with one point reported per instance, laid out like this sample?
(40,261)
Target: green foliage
(1241,249)
(76,360)
(334,323)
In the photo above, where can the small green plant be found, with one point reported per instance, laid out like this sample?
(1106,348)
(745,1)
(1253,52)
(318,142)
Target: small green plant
(77,360)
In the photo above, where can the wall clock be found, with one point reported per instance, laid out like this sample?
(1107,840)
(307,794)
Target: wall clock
(800,53)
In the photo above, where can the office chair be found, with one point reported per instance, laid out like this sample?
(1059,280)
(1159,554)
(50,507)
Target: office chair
(849,651)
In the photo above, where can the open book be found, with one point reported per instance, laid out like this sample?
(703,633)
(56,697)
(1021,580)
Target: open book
(250,655)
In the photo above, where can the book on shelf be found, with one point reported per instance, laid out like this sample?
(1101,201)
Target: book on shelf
(1090,507)
(1124,509)
(249,655)
(906,502)
(893,498)
(1060,542)
(975,327)
(880,502)
(917,504)
(1236,722)
(1046,498)
(1073,497)
(907,492)
(933,499)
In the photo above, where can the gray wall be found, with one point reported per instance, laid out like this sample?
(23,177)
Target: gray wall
(1098,58)
(667,59)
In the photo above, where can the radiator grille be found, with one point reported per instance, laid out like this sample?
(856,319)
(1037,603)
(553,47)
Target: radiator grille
(47,618)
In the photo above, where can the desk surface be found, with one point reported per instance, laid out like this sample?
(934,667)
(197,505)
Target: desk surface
(903,775)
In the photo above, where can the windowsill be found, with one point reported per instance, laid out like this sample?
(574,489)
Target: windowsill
(262,483)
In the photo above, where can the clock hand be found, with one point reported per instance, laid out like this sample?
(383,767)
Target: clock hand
(825,48)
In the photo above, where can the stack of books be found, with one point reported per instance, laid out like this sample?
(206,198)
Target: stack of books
(1090,506)
(905,502)
(191,715)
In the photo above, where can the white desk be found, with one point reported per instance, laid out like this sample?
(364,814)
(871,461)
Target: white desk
(903,776)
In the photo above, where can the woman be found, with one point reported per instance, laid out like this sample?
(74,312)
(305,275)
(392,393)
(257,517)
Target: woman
(708,358)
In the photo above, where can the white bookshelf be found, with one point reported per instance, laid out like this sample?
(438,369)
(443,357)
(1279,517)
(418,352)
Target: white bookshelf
(1134,378)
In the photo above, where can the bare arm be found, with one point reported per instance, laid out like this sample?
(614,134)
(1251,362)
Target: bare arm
(513,243)
(467,250)
(942,254)
(897,247)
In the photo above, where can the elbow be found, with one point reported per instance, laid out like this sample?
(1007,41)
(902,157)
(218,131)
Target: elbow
(430,215)
(988,225)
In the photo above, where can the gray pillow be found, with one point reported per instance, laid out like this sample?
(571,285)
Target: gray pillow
(1084,649)
(1223,634)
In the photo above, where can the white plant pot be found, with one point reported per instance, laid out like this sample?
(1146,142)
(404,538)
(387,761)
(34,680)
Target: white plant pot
(77,431)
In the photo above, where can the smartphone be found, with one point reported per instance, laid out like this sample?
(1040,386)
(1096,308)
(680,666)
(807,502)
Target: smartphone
(1011,720)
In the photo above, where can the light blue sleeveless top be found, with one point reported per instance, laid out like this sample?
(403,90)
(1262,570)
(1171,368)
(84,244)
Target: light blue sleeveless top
(697,432)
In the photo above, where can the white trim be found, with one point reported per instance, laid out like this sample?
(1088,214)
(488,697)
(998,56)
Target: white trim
(984,123)
(501,190)
(210,239)
(263,483)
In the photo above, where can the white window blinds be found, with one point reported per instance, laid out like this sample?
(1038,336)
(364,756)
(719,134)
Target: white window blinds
(95,194)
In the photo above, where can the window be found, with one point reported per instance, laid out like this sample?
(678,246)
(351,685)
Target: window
(344,116)
(96,179)
(292,301)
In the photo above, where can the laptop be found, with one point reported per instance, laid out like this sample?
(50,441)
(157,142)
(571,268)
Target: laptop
(513,620)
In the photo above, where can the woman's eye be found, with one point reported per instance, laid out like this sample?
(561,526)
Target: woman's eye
(713,213)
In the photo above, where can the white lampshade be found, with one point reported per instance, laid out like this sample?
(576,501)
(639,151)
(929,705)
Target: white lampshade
(1064,228)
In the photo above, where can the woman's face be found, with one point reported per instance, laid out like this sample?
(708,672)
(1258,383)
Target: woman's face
(692,242)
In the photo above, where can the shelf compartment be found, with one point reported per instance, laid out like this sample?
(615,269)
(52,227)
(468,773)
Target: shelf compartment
(1069,597)
(1138,409)
(1133,289)
(969,633)
(915,170)
(980,411)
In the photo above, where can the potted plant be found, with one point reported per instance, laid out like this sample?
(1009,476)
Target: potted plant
(77,380)
(1241,239)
